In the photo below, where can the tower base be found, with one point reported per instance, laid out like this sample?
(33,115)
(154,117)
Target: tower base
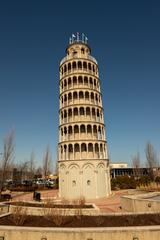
(89,179)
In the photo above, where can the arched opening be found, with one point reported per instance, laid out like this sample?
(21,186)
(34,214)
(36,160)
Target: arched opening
(69,114)
(70,151)
(93,69)
(76,132)
(75,96)
(65,84)
(69,67)
(76,151)
(81,95)
(65,116)
(95,131)
(82,50)
(101,151)
(79,65)
(62,117)
(75,114)
(89,131)
(90,150)
(83,150)
(69,82)
(65,133)
(92,97)
(80,80)
(96,98)
(65,152)
(84,66)
(89,66)
(81,111)
(87,96)
(93,114)
(62,152)
(88,113)
(69,98)
(96,150)
(65,69)
(74,65)
(95,83)
(70,132)
(74,81)
(91,82)
(86,81)
(99,133)
(83,131)
(61,134)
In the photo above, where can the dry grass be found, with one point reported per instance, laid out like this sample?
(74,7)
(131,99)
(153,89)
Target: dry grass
(19,215)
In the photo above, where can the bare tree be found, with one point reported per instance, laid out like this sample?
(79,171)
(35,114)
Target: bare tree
(47,162)
(151,158)
(8,156)
(136,164)
(32,165)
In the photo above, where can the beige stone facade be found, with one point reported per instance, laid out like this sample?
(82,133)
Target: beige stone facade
(83,156)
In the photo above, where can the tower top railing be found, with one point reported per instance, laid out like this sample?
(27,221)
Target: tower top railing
(78,38)
(89,57)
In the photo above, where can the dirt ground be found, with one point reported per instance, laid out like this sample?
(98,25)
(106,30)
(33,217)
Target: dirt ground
(83,221)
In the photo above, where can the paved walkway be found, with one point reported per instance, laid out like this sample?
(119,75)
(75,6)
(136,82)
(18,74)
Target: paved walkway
(106,205)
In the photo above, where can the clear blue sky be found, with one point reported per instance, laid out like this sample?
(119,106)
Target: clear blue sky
(125,39)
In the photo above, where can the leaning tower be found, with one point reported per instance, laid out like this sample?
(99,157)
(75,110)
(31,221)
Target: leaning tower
(83,157)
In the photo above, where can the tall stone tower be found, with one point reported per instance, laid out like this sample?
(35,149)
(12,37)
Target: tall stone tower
(83,158)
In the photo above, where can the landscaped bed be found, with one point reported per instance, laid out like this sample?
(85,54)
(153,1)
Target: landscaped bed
(81,221)
(50,205)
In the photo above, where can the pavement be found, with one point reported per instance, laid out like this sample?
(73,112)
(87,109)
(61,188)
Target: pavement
(110,204)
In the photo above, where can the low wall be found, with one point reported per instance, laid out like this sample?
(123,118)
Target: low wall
(40,211)
(127,233)
(140,203)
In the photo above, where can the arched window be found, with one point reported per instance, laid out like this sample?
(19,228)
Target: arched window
(82,50)
(65,68)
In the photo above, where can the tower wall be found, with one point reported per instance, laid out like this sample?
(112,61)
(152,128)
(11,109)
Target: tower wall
(83,156)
